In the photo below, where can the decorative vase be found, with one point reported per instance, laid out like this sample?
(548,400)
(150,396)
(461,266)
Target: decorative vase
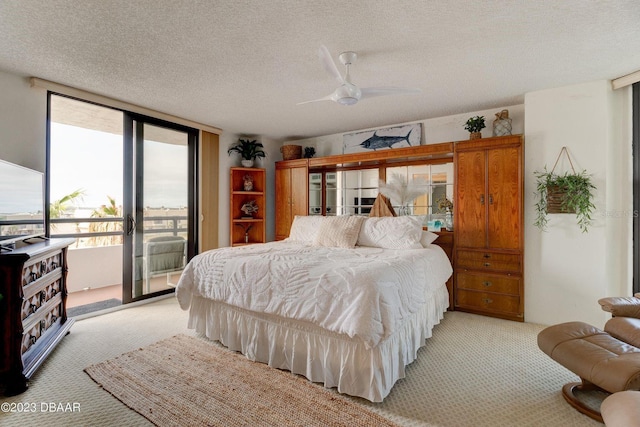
(246,237)
(448,220)
(247,163)
(475,135)
(502,124)
(404,210)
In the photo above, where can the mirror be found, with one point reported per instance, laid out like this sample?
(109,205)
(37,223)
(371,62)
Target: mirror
(352,192)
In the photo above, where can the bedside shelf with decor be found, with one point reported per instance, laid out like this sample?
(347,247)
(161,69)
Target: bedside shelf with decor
(247,206)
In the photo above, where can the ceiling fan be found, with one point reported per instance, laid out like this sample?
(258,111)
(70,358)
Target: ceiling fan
(348,93)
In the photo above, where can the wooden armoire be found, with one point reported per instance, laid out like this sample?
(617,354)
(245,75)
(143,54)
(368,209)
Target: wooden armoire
(489,227)
(292,194)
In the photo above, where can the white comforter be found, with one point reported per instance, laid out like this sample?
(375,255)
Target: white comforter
(362,292)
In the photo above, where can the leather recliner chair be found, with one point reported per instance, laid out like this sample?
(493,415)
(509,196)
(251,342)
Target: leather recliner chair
(608,360)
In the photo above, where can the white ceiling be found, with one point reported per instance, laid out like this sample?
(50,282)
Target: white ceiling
(243,65)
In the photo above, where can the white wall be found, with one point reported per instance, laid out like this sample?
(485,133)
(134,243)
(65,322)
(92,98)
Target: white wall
(23,120)
(567,271)
(94,267)
(441,129)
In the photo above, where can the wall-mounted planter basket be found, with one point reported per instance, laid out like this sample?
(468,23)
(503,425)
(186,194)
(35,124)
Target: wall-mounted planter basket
(555,200)
(570,192)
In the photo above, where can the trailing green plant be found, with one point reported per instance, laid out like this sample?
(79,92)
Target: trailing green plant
(577,190)
(248,149)
(475,124)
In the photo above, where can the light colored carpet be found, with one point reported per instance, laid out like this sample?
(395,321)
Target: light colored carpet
(474,371)
(189,382)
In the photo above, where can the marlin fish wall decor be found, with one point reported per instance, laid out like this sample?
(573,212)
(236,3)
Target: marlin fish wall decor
(383,139)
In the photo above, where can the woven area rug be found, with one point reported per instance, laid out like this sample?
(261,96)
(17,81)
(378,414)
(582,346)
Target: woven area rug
(187,381)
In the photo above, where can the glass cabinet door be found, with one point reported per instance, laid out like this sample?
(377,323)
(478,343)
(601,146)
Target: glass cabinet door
(315,193)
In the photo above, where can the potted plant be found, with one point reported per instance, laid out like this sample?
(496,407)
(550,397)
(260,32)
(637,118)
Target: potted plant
(566,193)
(474,125)
(248,150)
(309,152)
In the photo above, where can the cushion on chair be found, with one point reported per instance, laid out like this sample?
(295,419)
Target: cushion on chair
(621,306)
(593,354)
(625,329)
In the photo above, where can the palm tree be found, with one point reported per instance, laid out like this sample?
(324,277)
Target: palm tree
(111,210)
(58,207)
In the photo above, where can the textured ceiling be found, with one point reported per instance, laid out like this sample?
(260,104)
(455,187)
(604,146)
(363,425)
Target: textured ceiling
(244,65)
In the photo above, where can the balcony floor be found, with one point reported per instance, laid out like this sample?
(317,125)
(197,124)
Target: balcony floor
(92,296)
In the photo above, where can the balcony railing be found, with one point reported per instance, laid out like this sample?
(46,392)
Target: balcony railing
(174,229)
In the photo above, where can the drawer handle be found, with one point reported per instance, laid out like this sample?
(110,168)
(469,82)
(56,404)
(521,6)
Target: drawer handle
(33,277)
(33,308)
(43,267)
(487,284)
(43,326)
(487,300)
(487,264)
(486,256)
(43,296)
(33,340)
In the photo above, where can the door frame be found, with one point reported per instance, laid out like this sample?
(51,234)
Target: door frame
(133,157)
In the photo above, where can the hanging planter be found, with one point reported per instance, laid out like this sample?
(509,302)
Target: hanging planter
(569,193)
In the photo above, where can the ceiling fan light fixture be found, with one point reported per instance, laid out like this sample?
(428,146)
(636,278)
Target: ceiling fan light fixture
(347,100)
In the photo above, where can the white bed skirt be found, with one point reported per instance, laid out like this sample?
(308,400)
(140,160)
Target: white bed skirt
(332,359)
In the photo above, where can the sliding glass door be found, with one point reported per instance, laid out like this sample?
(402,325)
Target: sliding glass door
(159,205)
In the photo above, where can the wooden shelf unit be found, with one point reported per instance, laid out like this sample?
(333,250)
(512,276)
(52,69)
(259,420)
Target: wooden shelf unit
(238,197)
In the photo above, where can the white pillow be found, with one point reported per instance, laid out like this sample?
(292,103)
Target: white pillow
(427,238)
(401,232)
(305,228)
(339,231)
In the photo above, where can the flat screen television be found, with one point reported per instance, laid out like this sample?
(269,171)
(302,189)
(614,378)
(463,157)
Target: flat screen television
(21,203)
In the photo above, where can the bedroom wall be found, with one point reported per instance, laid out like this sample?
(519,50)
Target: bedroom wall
(23,112)
(566,271)
(441,129)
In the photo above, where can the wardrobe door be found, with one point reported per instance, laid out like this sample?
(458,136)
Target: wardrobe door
(504,177)
(470,207)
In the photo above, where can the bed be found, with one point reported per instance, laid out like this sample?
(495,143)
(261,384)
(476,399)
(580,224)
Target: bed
(344,301)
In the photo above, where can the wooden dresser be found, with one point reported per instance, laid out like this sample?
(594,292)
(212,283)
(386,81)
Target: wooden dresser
(488,226)
(32,309)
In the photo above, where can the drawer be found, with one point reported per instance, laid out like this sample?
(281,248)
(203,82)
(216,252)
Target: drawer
(37,294)
(38,325)
(489,283)
(486,301)
(481,260)
(39,267)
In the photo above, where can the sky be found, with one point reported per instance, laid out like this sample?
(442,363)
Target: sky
(92,161)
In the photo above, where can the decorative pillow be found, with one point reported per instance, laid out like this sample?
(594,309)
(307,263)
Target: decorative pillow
(305,228)
(402,232)
(427,238)
(339,231)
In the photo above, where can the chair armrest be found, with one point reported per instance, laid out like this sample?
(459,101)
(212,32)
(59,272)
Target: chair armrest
(621,306)
(625,329)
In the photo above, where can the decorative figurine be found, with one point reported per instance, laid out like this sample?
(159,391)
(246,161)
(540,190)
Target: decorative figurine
(248,182)
(249,208)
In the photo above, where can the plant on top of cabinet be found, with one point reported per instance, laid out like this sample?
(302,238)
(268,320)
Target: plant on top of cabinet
(249,150)
(474,125)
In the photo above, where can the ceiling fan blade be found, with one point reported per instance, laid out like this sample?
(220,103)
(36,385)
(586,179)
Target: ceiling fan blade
(329,65)
(369,92)
(326,98)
